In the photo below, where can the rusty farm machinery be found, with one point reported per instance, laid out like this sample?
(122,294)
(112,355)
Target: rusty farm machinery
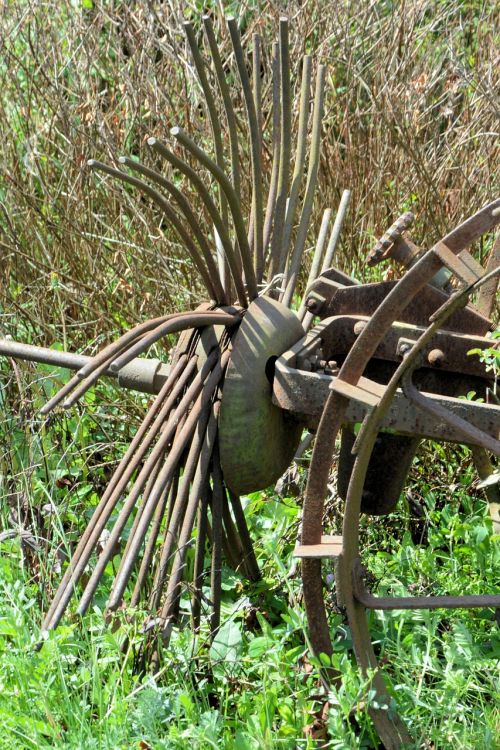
(380,365)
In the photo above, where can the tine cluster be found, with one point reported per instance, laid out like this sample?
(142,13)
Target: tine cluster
(170,481)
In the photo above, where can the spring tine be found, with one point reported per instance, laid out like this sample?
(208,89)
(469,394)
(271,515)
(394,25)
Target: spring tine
(195,388)
(273,184)
(60,395)
(226,99)
(251,563)
(234,205)
(285,149)
(199,561)
(195,320)
(314,154)
(336,229)
(216,131)
(105,507)
(300,158)
(255,150)
(220,294)
(198,487)
(231,254)
(216,565)
(317,257)
(169,212)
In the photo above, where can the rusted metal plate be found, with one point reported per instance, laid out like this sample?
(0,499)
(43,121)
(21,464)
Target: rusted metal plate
(257,439)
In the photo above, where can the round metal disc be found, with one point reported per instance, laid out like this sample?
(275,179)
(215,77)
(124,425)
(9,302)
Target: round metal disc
(257,439)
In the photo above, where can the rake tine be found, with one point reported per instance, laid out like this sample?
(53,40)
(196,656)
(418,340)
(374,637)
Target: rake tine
(197,490)
(285,149)
(216,132)
(336,229)
(169,212)
(318,254)
(195,320)
(249,555)
(60,395)
(119,481)
(300,158)
(105,507)
(234,205)
(199,561)
(221,295)
(314,154)
(253,121)
(216,564)
(174,455)
(273,184)
(231,254)
(226,99)
(233,539)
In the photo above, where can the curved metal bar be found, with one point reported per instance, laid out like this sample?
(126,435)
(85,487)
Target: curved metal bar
(220,294)
(300,159)
(312,174)
(336,229)
(215,126)
(273,183)
(195,320)
(195,179)
(169,212)
(316,261)
(255,151)
(226,99)
(285,149)
(234,205)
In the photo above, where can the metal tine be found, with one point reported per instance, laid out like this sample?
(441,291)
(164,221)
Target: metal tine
(216,563)
(221,295)
(169,212)
(312,173)
(199,561)
(181,372)
(273,183)
(317,257)
(234,205)
(300,159)
(227,102)
(250,97)
(233,539)
(195,320)
(179,503)
(197,489)
(195,388)
(216,135)
(232,254)
(285,149)
(60,395)
(147,558)
(336,229)
(251,563)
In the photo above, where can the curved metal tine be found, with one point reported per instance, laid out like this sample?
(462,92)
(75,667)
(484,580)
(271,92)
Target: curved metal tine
(216,563)
(195,388)
(300,159)
(285,149)
(195,320)
(336,229)
(199,562)
(221,295)
(60,395)
(216,132)
(312,174)
(276,136)
(316,261)
(197,489)
(252,565)
(169,212)
(231,254)
(227,102)
(167,396)
(255,151)
(234,205)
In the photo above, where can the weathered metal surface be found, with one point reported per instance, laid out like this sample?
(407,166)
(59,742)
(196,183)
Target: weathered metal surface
(257,439)
(382,248)
(329,547)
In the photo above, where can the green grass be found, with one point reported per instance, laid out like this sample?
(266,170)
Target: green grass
(256,686)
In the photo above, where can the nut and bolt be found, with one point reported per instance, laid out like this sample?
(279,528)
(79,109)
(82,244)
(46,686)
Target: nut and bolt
(436,358)
(359,326)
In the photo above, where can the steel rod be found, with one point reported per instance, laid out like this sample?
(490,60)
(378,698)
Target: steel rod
(273,183)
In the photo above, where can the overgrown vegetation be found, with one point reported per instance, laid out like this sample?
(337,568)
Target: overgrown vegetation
(411,122)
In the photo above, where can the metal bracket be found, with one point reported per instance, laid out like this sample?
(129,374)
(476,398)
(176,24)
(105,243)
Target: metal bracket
(329,547)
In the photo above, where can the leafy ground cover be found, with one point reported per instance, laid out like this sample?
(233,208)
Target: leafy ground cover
(256,685)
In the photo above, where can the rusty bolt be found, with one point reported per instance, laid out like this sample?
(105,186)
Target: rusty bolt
(358,327)
(436,358)
(404,349)
(312,304)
